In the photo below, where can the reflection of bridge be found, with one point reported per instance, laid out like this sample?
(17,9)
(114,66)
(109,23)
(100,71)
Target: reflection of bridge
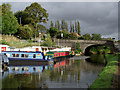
(85,44)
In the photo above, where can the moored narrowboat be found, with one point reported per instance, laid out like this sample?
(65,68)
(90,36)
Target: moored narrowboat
(59,54)
(23,55)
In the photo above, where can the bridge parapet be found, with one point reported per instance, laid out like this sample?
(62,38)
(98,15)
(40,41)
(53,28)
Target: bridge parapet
(81,41)
(84,43)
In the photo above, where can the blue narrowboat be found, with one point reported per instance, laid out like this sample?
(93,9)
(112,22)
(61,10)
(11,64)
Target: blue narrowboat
(23,55)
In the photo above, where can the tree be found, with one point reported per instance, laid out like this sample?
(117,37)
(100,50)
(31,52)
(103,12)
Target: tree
(57,24)
(23,17)
(51,25)
(86,37)
(78,28)
(70,27)
(37,13)
(0,19)
(66,25)
(73,30)
(65,34)
(96,36)
(72,36)
(63,24)
(59,34)
(25,32)
(53,31)
(6,8)
(9,21)
(78,49)
(48,42)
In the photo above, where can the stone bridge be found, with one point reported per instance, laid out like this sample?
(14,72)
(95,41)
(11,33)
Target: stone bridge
(85,45)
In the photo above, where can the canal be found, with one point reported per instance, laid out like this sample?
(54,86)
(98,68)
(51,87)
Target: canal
(67,73)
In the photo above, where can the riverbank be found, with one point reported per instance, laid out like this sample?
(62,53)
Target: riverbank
(105,78)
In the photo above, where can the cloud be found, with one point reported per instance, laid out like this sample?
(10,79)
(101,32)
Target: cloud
(94,17)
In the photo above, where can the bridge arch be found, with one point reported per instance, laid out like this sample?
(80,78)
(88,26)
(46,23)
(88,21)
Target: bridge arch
(87,49)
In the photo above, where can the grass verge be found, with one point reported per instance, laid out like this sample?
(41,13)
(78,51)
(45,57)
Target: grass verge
(12,41)
(105,78)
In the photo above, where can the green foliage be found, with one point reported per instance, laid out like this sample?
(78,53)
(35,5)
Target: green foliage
(9,21)
(73,30)
(78,49)
(65,34)
(66,26)
(63,24)
(6,8)
(33,15)
(100,50)
(48,42)
(96,36)
(59,34)
(72,36)
(4,42)
(118,41)
(70,27)
(25,32)
(105,78)
(51,24)
(78,28)
(37,13)
(53,31)
(24,17)
(76,52)
(86,37)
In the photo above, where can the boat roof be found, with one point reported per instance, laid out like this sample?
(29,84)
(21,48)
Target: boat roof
(23,51)
(57,51)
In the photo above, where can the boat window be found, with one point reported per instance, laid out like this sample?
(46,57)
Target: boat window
(16,55)
(8,55)
(26,55)
(34,55)
(13,55)
(22,55)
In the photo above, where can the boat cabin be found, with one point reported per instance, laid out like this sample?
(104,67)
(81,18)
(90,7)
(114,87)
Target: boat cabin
(24,55)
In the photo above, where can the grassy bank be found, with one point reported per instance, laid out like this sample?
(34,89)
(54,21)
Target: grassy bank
(15,42)
(105,78)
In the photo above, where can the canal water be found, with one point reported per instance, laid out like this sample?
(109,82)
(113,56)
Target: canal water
(67,73)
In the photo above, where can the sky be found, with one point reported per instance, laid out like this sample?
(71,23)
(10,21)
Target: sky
(94,17)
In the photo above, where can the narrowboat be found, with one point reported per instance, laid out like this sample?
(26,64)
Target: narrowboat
(59,54)
(35,56)
(24,55)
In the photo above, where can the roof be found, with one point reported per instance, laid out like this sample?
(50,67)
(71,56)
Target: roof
(23,51)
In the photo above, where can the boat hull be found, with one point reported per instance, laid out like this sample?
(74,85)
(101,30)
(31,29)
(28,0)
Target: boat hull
(27,62)
(33,59)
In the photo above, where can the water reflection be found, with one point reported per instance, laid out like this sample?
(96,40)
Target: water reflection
(63,74)
(97,59)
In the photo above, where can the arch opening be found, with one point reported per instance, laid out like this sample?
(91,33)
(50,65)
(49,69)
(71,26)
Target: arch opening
(87,50)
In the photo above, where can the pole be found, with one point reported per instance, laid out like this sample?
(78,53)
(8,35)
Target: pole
(20,20)
(35,32)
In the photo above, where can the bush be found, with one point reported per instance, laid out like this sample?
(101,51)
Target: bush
(4,42)
(76,52)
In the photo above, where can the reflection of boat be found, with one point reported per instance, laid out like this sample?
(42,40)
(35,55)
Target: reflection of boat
(62,63)
(3,59)
(24,70)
